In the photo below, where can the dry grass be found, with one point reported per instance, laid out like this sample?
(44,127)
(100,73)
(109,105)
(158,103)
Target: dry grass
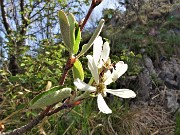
(136,121)
(156,119)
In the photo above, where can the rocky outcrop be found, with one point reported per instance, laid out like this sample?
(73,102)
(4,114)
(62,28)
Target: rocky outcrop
(170,73)
(168,91)
(145,81)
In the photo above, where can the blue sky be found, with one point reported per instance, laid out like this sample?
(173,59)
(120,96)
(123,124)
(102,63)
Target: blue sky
(97,13)
(110,4)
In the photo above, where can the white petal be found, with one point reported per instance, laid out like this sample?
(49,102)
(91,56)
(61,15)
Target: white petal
(120,69)
(93,68)
(83,86)
(108,77)
(123,93)
(105,52)
(102,105)
(97,49)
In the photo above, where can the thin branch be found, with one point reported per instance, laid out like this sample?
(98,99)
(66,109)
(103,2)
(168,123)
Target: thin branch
(32,8)
(14,13)
(24,19)
(64,106)
(35,32)
(4,17)
(29,126)
(94,3)
(69,64)
(36,4)
(39,10)
(38,18)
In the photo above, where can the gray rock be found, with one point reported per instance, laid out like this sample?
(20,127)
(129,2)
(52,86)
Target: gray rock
(172,98)
(171,84)
(148,64)
(145,80)
(145,85)
(164,75)
(170,73)
(166,85)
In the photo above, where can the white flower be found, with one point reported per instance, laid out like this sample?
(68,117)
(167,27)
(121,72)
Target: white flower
(123,93)
(103,76)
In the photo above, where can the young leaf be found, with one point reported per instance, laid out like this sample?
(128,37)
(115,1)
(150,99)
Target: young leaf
(78,71)
(44,94)
(72,22)
(77,38)
(65,30)
(54,95)
(86,47)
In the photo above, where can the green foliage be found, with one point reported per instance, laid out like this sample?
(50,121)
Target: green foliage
(41,69)
(80,118)
(133,62)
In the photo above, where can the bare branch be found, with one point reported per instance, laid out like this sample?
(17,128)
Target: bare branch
(4,17)
(24,19)
(14,12)
(39,10)
(94,3)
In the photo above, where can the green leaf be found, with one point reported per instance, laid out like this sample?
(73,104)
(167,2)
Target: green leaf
(77,38)
(72,22)
(45,93)
(14,78)
(86,47)
(70,32)
(78,71)
(21,106)
(65,30)
(54,95)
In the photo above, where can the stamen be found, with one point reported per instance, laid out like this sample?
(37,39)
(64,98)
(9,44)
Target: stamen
(100,88)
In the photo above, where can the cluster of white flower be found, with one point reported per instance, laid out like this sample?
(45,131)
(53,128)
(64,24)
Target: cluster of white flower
(104,74)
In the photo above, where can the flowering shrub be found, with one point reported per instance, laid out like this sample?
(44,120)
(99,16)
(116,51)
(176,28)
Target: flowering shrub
(57,98)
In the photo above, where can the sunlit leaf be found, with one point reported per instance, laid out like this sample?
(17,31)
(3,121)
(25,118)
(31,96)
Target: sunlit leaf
(72,22)
(45,93)
(78,71)
(65,29)
(86,47)
(54,95)
(77,39)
